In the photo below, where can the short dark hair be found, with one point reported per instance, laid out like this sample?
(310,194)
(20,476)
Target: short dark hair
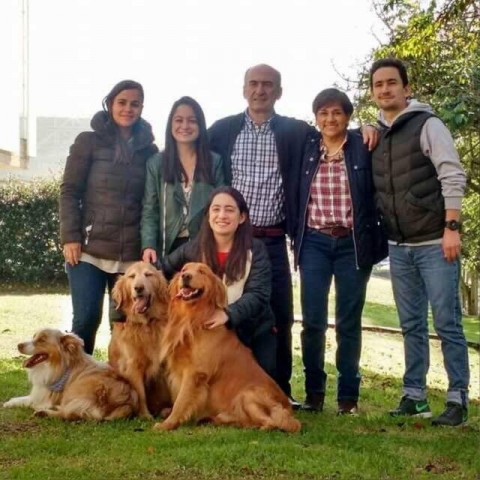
(206,249)
(332,95)
(389,62)
(172,167)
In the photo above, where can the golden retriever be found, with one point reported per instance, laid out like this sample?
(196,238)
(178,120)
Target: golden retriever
(212,375)
(68,383)
(134,349)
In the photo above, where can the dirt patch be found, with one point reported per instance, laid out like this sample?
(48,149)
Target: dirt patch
(18,428)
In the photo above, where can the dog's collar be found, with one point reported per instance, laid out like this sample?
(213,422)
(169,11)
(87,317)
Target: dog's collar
(59,384)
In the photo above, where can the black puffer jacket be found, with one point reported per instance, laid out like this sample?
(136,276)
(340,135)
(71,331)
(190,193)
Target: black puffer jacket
(251,314)
(101,200)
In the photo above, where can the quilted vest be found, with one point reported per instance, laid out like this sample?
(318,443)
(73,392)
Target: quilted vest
(408,191)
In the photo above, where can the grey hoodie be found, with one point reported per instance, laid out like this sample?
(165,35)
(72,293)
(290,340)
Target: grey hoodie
(437,144)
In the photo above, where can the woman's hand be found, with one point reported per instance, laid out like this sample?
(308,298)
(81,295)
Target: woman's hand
(219,318)
(72,252)
(149,255)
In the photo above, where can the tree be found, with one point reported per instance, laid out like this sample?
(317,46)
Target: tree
(441,48)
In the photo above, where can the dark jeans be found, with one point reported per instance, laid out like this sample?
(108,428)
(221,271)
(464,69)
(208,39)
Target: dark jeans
(282,306)
(264,348)
(323,257)
(87,287)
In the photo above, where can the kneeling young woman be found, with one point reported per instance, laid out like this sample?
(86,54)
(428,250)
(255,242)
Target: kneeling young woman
(226,244)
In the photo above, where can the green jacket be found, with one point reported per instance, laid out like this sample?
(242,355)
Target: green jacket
(156,191)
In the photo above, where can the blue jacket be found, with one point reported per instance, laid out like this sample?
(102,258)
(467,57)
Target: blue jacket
(368,234)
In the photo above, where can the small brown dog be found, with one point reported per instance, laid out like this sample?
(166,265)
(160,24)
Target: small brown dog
(134,349)
(68,383)
(212,375)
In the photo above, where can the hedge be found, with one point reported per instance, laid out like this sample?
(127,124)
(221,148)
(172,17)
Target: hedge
(30,252)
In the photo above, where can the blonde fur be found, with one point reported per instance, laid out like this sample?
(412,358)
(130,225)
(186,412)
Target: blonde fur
(212,375)
(135,344)
(88,390)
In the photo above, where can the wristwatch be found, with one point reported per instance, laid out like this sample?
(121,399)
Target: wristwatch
(453,225)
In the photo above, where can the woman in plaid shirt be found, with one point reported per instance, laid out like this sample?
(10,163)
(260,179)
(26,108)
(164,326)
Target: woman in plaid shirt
(339,236)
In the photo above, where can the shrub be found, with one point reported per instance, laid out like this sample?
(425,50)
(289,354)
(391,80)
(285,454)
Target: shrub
(30,252)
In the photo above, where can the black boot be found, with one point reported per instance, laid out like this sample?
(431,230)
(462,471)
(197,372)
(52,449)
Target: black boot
(313,402)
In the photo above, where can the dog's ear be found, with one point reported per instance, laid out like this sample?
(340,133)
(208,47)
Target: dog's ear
(118,292)
(161,289)
(220,294)
(173,286)
(71,343)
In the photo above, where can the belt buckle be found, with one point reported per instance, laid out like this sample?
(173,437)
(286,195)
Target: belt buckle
(339,231)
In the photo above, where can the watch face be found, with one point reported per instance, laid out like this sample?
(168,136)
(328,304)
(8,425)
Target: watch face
(452,225)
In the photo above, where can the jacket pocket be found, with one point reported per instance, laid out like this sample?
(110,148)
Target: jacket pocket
(433,203)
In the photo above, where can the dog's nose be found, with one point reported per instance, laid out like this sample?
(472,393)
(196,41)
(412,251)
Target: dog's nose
(139,289)
(186,277)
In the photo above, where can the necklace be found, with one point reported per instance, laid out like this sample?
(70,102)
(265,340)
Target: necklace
(329,155)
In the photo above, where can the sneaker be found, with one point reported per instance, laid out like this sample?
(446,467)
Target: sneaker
(313,403)
(453,415)
(413,408)
(347,407)
(293,403)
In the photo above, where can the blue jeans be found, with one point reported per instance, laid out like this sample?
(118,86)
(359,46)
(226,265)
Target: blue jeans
(321,258)
(87,287)
(421,275)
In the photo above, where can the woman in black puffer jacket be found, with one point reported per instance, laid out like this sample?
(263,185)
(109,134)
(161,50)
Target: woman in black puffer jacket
(101,203)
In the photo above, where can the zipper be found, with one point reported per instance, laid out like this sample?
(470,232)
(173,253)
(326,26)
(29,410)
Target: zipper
(353,211)
(308,197)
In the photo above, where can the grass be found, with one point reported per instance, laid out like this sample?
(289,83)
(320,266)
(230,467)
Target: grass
(371,446)
(380,311)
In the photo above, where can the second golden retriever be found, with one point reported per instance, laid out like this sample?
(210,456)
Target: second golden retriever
(135,344)
(212,375)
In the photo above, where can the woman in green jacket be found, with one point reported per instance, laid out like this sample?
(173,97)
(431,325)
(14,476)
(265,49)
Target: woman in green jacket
(178,182)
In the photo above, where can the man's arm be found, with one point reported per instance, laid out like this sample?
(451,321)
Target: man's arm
(437,143)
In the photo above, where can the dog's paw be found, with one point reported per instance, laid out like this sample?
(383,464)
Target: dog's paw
(40,413)
(165,426)
(165,412)
(145,416)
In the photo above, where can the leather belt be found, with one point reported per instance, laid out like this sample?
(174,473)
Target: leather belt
(336,232)
(274,231)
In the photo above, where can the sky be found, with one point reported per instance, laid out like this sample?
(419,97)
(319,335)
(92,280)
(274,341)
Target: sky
(80,48)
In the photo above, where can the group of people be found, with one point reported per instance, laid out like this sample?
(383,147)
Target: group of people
(230,196)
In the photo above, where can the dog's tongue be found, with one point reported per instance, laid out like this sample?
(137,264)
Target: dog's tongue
(184,292)
(140,305)
(35,360)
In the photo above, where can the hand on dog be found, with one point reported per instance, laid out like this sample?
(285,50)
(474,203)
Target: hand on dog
(72,252)
(219,318)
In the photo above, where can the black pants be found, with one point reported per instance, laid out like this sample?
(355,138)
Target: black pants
(282,306)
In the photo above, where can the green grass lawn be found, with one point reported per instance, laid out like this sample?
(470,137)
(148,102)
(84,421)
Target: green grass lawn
(379,309)
(370,446)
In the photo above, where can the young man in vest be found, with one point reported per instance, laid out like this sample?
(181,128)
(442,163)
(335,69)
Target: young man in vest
(420,185)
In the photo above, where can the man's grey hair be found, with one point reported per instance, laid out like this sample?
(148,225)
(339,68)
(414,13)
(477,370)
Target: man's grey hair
(264,65)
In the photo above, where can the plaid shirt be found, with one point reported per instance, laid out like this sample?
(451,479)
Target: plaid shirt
(330,203)
(256,173)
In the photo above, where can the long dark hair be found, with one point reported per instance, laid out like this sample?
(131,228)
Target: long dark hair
(206,249)
(172,167)
(123,152)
